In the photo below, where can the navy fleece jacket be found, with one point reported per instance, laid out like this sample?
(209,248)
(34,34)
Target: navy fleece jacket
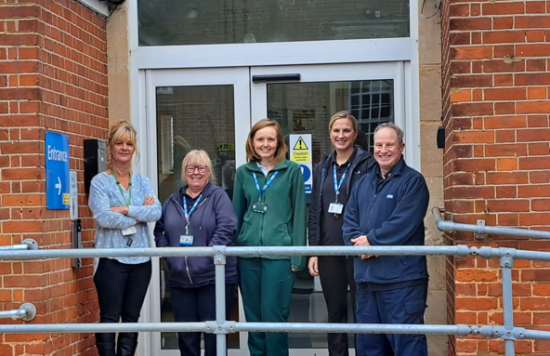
(390,212)
(212,223)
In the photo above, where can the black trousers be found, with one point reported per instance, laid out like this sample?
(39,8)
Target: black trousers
(121,290)
(198,304)
(336,274)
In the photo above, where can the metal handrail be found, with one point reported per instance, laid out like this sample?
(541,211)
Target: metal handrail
(459,250)
(232,326)
(220,326)
(450,226)
(507,256)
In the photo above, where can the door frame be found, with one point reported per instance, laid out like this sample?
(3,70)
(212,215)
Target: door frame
(238,77)
(397,71)
(251,106)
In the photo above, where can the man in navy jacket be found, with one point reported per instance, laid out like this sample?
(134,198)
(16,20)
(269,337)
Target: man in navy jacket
(387,208)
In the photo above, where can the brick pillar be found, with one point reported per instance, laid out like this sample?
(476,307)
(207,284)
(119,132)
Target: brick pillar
(53,77)
(496,105)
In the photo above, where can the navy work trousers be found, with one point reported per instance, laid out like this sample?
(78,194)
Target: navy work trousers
(396,306)
(198,304)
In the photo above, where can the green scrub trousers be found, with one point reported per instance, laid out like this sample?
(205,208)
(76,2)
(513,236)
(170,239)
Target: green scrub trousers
(266,288)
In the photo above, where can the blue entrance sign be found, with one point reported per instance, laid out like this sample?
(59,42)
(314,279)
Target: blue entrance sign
(57,171)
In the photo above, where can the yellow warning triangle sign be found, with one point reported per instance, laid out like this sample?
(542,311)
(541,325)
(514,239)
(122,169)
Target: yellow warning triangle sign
(300,144)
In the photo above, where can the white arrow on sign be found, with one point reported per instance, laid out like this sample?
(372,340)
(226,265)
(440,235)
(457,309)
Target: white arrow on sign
(58,186)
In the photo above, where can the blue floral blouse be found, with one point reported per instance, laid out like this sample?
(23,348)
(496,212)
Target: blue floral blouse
(104,194)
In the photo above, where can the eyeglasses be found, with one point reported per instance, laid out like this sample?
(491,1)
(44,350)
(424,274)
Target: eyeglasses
(191,169)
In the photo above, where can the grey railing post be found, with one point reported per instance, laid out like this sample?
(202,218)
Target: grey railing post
(506,263)
(220,332)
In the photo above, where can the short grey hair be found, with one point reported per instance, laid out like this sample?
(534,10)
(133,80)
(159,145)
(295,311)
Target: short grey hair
(400,134)
(199,157)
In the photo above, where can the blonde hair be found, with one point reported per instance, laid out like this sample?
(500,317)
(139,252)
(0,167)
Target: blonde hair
(199,157)
(121,131)
(343,115)
(282,148)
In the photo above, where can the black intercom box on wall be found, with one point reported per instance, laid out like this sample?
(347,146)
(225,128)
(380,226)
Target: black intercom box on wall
(95,160)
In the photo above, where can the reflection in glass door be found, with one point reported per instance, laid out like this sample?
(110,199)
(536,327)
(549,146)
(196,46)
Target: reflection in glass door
(307,108)
(191,117)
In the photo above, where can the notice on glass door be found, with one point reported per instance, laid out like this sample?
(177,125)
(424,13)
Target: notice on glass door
(300,152)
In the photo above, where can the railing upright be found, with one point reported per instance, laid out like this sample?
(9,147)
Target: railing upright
(219,331)
(506,264)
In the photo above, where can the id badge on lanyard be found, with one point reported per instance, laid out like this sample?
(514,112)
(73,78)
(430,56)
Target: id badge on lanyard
(336,208)
(260,207)
(187,239)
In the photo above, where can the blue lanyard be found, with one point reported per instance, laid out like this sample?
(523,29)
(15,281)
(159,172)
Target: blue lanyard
(192,208)
(262,191)
(337,186)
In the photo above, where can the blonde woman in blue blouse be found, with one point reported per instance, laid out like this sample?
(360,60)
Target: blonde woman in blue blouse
(122,203)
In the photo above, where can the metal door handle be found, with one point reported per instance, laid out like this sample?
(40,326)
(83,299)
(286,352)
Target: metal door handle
(293,77)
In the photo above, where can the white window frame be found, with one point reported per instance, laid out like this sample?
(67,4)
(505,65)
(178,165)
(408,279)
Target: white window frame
(284,53)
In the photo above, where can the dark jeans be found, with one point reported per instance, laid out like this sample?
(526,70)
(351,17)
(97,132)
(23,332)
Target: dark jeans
(121,289)
(336,273)
(198,304)
(396,306)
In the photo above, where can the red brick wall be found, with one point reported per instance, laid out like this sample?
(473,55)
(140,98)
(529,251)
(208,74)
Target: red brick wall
(496,105)
(53,77)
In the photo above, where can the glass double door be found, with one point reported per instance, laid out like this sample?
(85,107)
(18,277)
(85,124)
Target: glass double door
(214,109)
